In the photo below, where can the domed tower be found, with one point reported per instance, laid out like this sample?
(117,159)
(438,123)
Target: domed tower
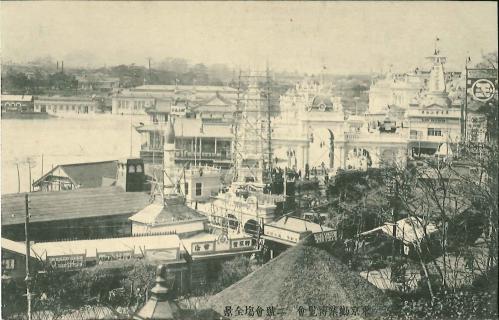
(169,159)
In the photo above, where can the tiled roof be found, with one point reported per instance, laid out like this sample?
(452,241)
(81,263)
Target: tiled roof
(73,204)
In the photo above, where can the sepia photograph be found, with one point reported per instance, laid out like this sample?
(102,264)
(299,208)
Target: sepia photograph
(246,160)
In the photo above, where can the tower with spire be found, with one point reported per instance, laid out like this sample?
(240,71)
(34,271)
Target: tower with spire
(437,92)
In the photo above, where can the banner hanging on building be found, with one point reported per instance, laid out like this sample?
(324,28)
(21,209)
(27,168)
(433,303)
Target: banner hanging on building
(481,84)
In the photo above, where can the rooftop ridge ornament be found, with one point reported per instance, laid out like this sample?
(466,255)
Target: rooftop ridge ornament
(159,291)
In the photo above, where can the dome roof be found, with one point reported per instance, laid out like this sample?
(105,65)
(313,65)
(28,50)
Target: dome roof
(322,102)
(170,133)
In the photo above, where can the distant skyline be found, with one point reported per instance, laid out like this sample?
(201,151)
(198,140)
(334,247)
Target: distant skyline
(343,37)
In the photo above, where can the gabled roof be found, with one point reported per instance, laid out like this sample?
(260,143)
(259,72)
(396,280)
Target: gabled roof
(73,204)
(216,100)
(13,246)
(298,225)
(155,214)
(302,276)
(85,175)
(408,230)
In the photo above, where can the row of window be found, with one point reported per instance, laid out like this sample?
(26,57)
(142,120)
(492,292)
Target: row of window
(434,132)
(13,104)
(67,107)
(131,168)
(8,264)
(136,104)
(135,168)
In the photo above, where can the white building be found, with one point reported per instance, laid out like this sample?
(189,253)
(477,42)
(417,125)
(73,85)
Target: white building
(434,120)
(138,100)
(409,115)
(73,106)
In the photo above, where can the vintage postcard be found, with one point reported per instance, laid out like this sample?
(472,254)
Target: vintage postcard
(249,160)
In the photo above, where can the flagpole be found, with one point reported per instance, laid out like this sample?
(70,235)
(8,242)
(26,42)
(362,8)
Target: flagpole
(465,115)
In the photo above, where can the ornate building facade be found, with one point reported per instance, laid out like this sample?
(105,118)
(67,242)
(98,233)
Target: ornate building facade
(410,115)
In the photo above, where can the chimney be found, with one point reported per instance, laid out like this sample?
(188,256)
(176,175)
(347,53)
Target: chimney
(57,65)
(62,66)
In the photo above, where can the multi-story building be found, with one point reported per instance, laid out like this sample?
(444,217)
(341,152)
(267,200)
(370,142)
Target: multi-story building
(138,100)
(73,106)
(412,114)
(195,142)
(131,103)
(433,119)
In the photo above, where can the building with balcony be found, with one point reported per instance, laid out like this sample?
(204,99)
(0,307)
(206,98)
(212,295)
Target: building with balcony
(195,142)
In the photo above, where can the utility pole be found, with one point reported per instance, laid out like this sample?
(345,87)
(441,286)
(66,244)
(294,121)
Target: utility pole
(269,127)
(150,77)
(28,278)
(29,170)
(131,130)
(18,178)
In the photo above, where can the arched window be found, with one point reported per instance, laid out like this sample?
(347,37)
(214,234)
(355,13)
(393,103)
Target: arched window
(139,168)
(131,168)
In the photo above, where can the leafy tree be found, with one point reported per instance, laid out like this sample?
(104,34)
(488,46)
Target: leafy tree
(232,271)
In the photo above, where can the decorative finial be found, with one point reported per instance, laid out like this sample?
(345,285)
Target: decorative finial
(160,290)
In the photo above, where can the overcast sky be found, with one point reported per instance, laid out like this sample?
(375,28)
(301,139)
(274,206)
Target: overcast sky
(346,37)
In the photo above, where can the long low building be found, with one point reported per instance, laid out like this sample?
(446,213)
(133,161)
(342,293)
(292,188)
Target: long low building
(67,106)
(190,260)
(74,214)
(84,253)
